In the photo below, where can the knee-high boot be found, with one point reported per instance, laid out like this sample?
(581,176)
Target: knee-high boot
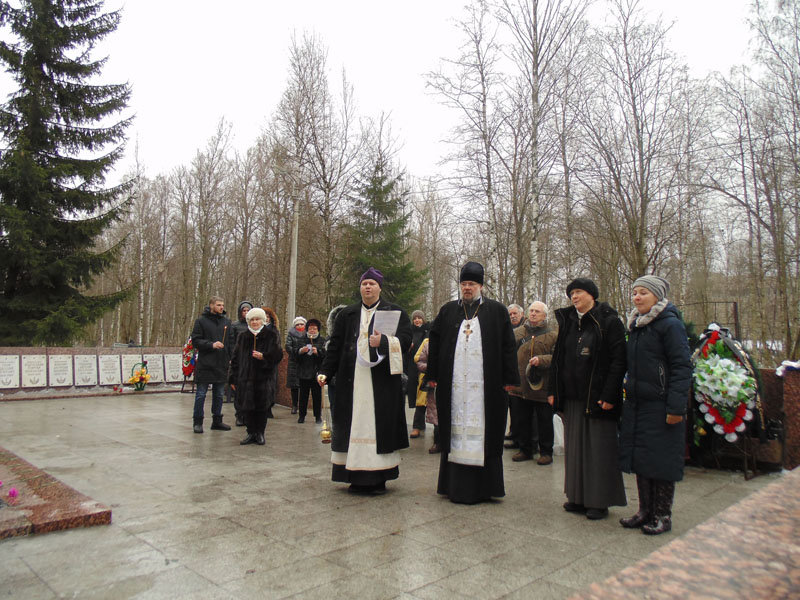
(663,492)
(645,487)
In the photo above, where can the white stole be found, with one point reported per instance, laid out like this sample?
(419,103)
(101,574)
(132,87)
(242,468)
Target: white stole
(468,417)
(362,454)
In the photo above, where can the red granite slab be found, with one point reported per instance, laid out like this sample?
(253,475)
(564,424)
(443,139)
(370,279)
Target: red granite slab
(749,550)
(44,503)
(791,406)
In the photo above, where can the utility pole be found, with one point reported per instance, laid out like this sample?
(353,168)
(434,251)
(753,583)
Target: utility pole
(291,300)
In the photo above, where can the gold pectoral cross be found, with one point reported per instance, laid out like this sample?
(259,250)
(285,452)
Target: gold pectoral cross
(468,330)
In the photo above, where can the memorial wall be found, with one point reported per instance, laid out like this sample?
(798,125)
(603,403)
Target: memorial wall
(83,369)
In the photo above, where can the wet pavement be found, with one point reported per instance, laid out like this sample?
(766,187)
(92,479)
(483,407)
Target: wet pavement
(199,516)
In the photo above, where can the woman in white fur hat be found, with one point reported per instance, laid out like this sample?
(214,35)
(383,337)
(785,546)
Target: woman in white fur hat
(251,374)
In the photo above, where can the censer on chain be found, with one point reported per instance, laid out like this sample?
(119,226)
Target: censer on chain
(325,433)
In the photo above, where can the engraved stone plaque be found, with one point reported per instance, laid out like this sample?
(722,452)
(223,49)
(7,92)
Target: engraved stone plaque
(109,369)
(34,370)
(61,370)
(173,367)
(128,362)
(155,367)
(85,369)
(9,372)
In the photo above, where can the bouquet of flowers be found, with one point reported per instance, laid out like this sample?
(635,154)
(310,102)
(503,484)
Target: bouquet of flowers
(724,384)
(139,377)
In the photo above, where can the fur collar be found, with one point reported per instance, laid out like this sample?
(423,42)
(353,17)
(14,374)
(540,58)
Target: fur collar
(637,320)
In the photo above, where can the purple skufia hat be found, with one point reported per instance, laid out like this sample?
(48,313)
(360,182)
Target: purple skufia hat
(374,274)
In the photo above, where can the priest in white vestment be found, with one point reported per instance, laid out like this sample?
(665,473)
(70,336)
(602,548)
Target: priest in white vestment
(472,362)
(365,355)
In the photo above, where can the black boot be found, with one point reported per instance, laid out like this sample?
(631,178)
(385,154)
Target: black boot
(198,424)
(645,487)
(294,407)
(663,493)
(250,439)
(216,423)
(260,426)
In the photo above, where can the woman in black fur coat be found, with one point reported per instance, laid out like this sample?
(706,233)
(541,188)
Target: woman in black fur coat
(251,374)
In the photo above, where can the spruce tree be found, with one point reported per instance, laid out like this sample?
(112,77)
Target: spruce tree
(56,129)
(376,234)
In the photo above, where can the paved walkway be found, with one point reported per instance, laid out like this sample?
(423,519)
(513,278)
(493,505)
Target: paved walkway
(198,516)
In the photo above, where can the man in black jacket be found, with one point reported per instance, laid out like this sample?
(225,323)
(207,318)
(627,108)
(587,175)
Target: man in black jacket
(209,336)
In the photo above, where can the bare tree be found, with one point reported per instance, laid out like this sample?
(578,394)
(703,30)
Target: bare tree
(543,32)
(320,139)
(471,85)
(634,154)
(758,170)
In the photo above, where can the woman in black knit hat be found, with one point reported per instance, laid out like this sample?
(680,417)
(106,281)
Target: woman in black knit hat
(585,384)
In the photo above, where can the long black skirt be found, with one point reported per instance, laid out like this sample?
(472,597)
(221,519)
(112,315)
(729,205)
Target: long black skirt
(466,484)
(591,459)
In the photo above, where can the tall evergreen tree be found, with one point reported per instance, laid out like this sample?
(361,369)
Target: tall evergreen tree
(55,130)
(376,234)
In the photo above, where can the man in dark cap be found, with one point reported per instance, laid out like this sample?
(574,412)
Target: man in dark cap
(365,353)
(472,359)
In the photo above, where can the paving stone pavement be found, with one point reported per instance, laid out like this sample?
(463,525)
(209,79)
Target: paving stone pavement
(199,516)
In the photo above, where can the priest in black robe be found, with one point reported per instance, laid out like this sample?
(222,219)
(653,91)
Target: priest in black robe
(472,361)
(369,423)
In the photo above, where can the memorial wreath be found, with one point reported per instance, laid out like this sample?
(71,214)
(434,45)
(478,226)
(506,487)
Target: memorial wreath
(725,386)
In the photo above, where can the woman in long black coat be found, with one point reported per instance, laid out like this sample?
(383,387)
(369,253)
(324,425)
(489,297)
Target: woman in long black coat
(251,374)
(309,356)
(585,384)
(656,396)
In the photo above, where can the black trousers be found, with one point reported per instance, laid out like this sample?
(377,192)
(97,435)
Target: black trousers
(307,385)
(255,420)
(513,414)
(535,427)
(237,408)
(419,418)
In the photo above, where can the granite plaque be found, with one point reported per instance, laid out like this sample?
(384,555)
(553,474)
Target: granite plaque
(129,361)
(173,367)
(61,370)
(109,369)
(34,370)
(85,369)
(155,367)
(9,372)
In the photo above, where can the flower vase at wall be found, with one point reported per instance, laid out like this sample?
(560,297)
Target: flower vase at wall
(139,376)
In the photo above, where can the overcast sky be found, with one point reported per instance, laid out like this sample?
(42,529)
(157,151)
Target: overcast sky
(191,62)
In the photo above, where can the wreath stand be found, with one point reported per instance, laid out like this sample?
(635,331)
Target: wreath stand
(744,446)
(190,381)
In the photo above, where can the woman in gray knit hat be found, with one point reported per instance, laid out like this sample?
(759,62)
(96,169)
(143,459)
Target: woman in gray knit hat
(653,433)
